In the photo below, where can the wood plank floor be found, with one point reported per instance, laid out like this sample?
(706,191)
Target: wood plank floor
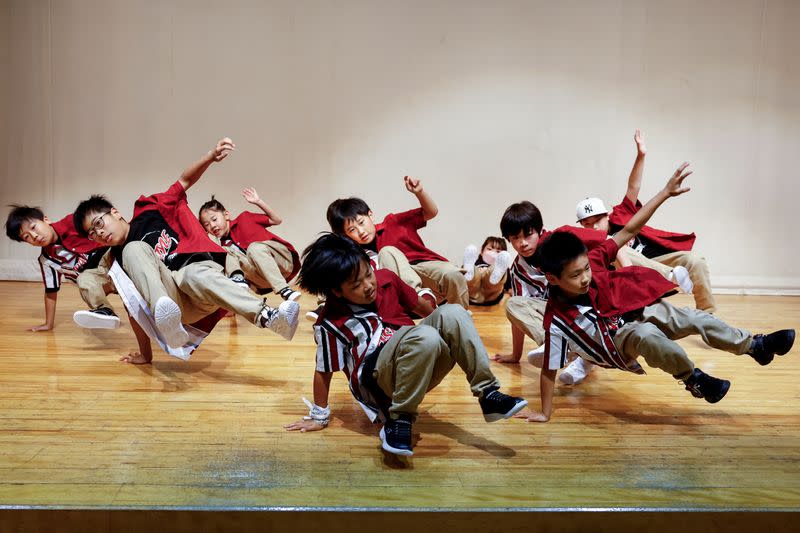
(78,428)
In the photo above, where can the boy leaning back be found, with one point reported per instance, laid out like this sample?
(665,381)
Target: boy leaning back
(172,262)
(365,330)
(612,318)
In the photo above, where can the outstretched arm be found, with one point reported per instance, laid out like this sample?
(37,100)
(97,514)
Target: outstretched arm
(252,197)
(313,422)
(547,380)
(50,299)
(414,186)
(674,187)
(145,355)
(635,179)
(217,154)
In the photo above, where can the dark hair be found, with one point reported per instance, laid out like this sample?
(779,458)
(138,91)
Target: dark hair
(558,249)
(18,215)
(212,204)
(95,204)
(497,242)
(524,217)
(344,209)
(330,261)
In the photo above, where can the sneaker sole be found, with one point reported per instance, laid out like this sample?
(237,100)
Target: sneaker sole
(89,320)
(395,451)
(312,317)
(791,343)
(469,271)
(168,316)
(494,417)
(285,324)
(725,388)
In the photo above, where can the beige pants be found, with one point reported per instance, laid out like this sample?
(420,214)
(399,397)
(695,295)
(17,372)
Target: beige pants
(480,290)
(198,288)
(527,314)
(694,263)
(94,284)
(653,336)
(266,264)
(445,280)
(393,259)
(417,358)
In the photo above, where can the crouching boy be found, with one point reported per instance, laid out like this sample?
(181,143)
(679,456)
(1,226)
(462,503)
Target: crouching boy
(365,330)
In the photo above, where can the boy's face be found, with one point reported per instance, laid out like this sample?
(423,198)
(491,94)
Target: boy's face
(524,245)
(217,223)
(106,227)
(598,222)
(489,253)
(361,229)
(361,289)
(38,232)
(575,278)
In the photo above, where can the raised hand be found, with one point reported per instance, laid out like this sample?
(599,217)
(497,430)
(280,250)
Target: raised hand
(640,147)
(223,148)
(674,186)
(413,185)
(250,195)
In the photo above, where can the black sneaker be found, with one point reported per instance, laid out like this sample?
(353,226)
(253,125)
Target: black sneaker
(701,385)
(765,347)
(497,406)
(100,318)
(238,278)
(396,436)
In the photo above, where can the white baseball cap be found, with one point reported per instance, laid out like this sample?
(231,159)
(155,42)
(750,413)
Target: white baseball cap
(590,207)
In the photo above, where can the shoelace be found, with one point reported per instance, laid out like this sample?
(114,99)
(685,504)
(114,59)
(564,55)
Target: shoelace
(402,429)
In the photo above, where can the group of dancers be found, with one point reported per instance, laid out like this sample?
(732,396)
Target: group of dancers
(392,314)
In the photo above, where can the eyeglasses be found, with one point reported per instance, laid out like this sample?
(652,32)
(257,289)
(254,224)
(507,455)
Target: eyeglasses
(97,224)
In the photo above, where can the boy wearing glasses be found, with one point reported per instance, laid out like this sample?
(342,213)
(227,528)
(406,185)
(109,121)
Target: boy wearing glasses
(65,253)
(177,269)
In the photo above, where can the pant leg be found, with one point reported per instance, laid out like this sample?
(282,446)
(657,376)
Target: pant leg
(233,260)
(466,349)
(91,284)
(644,339)
(489,292)
(149,274)
(638,259)
(393,259)
(273,262)
(208,288)
(445,279)
(417,358)
(680,322)
(698,273)
(405,367)
(527,314)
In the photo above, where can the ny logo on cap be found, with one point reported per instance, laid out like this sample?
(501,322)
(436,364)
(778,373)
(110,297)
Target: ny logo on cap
(587,209)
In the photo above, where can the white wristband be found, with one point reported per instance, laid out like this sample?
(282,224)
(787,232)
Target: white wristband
(320,415)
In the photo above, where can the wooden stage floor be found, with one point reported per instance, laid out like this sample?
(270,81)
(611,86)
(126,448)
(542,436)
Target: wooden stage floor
(80,430)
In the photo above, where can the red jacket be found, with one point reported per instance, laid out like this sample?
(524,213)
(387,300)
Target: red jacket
(173,207)
(677,242)
(400,230)
(249,227)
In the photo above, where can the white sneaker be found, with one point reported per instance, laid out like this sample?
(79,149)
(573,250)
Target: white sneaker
(501,264)
(535,356)
(471,254)
(576,371)
(168,317)
(283,320)
(100,318)
(680,276)
(289,294)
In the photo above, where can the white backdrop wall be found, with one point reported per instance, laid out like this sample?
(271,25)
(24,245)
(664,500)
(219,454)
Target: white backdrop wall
(488,102)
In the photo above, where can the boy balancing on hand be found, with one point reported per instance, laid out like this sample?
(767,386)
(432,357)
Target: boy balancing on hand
(365,330)
(174,265)
(611,318)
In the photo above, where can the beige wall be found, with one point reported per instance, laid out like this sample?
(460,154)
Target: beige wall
(489,102)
